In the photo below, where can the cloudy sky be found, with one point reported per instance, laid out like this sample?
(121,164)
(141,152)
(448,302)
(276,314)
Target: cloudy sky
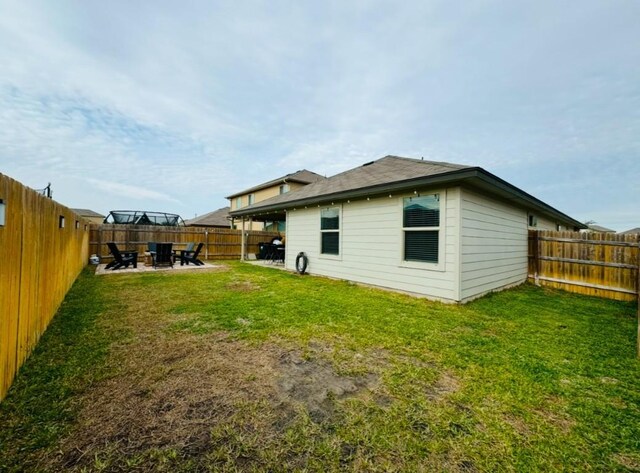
(171,106)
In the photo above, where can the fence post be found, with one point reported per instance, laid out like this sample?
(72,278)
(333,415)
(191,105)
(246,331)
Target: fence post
(206,244)
(536,258)
(638,295)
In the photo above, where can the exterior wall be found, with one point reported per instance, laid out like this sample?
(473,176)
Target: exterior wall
(494,245)
(259,196)
(371,246)
(263,194)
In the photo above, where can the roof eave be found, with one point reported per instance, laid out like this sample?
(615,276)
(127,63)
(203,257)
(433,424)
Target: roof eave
(284,180)
(465,175)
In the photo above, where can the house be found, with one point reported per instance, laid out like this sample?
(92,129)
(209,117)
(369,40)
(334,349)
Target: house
(597,228)
(216,219)
(633,231)
(93,217)
(266,190)
(444,231)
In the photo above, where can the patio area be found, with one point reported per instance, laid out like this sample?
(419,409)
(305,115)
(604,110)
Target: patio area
(143,268)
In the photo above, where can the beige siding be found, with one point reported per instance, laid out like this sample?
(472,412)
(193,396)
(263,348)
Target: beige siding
(545,224)
(371,246)
(493,245)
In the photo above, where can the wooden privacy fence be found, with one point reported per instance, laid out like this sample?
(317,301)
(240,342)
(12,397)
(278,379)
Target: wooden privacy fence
(219,243)
(39,261)
(595,264)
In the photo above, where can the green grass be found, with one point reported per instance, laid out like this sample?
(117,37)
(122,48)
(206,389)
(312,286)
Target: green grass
(538,380)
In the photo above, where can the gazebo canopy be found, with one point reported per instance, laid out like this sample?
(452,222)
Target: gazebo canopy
(144,217)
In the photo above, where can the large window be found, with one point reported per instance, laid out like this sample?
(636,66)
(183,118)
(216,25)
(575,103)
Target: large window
(238,202)
(421,227)
(330,231)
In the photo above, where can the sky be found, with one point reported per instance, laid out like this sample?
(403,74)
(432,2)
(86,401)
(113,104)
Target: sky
(171,106)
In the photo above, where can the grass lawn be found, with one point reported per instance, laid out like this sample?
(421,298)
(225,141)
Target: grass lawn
(252,369)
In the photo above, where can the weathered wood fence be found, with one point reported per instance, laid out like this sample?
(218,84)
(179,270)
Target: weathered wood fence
(39,261)
(596,264)
(219,243)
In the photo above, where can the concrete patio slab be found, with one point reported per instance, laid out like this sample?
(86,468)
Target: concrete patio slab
(142,268)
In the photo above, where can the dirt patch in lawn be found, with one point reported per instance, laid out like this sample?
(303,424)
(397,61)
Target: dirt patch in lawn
(171,391)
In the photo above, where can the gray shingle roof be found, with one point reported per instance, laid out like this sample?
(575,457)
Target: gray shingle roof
(303,176)
(633,231)
(382,171)
(599,228)
(393,174)
(87,213)
(217,218)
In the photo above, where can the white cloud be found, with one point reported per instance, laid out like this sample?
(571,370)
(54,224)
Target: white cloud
(197,101)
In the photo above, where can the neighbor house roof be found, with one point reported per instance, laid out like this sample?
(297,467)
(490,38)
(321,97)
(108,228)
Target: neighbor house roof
(87,213)
(598,228)
(633,231)
(217,218)
(303,177)
(396,174)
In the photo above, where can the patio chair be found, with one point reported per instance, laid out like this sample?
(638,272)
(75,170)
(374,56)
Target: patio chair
(187,257)
(121,259)
(163,256)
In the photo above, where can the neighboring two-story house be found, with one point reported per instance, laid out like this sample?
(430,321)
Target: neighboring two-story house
(281,185)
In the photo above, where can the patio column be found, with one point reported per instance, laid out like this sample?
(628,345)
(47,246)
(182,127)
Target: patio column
(243,243)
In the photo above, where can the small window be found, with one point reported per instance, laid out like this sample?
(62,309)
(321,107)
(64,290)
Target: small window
(533,220)
(251,199)
(77,224)
(61,221)
(2,212)
(284,188)
(330,231)
(421,226)
(85,227)
(238,202)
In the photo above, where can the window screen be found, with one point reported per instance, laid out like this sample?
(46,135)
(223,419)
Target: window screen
(330,231)
(421,225)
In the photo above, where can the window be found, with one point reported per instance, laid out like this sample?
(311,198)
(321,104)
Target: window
(421,227)
(251,198)
(284,188)
(238,202)
(61,221)
(2,212)
(533,220)
(77,224)
(330,231)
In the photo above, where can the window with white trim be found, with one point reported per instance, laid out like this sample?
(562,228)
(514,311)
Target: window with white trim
(284,188)
(252,198)
(330,231)
(238,202)
(421,228)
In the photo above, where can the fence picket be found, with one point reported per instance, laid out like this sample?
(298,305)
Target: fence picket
(596,264)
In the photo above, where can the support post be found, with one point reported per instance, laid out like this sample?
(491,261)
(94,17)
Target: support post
(242,241)
(206,244)
(638,296)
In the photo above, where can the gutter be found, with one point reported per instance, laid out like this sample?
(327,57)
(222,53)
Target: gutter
(458,176)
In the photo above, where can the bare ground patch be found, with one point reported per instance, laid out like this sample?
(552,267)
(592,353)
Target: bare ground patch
(189,394)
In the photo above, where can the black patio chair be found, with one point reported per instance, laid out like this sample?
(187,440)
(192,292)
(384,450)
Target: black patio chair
(163,256)
(121,259)
(187,257)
